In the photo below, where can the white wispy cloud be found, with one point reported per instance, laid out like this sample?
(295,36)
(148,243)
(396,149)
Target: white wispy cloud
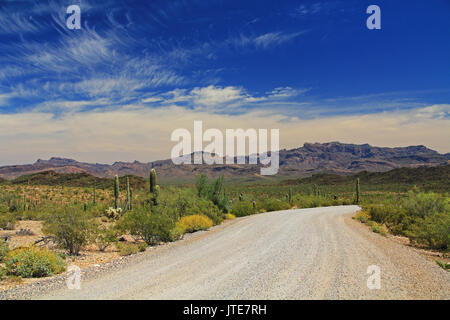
(222,99)
(264,41)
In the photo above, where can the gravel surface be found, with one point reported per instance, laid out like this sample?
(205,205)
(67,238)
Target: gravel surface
(318,253)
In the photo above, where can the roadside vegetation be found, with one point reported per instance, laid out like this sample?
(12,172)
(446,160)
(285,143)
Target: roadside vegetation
(132,214)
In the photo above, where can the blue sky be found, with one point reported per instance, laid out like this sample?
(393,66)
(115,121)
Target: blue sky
(136,70)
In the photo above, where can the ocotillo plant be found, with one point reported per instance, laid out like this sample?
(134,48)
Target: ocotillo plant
(357,191)
(116,192)
(128,194)
(152,180)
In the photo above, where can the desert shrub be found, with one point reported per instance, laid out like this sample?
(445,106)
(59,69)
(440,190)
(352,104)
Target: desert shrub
(272,204)
(194,223)
(105,236)
(419,204)
(213,192)
(230,216)
(432,231)
(150,227)
(242,208)
(33,262)
(180,202)
(307,201)
(204,207)
(7,221)
(423,217)
(177,232)
(379,228)
(71,228)
(363,216)
(126,249)
(3,273)
(4,249)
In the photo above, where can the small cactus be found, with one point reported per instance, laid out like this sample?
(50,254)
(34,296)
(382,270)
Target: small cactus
(241,197)
(116,192)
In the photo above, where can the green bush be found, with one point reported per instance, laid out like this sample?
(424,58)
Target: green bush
(242,208)
(313,201)
(214,192)
(194,223)
(379,228)
(419,204)
(423,217)
(126,249)
(3,273)
(33,262)
(105,236)
(7,220)
(4,249)
(432,231)
(150,227)
(71,227)
(204,207)
(363,216)
(272,204)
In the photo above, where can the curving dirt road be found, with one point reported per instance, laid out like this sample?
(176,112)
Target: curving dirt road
(296,254)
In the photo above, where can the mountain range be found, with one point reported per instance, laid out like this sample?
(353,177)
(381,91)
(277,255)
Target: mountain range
(311,158)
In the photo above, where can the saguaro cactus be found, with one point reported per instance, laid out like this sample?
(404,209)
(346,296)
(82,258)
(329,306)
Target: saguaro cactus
(95,198)
(131,199)
(156,196)
(152,180)
(290,196)
(357,191)
(116,192)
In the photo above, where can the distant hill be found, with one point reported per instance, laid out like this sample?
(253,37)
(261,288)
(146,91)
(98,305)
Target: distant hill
(437,178)
(51,178)
(311,158)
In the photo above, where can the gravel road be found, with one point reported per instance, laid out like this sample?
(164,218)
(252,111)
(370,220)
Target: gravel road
(318,253)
